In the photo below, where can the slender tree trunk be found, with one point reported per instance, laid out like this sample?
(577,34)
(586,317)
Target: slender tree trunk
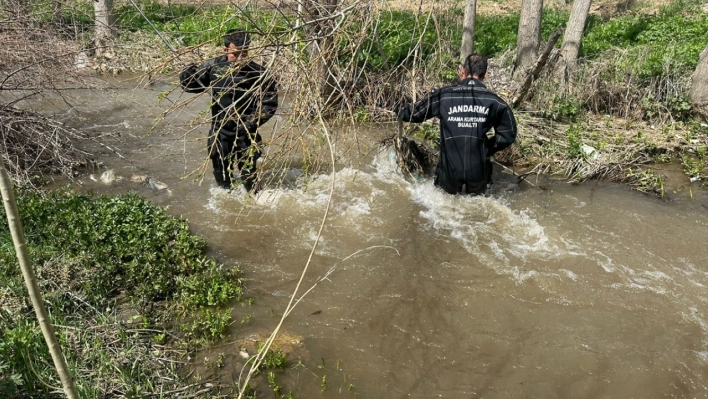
(18,238)
(529,37)
(536,70)
(105,19)
(320,49)
(468,30)
(56,14)
(572,38)
(699,85)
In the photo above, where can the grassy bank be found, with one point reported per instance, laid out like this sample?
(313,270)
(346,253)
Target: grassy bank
(129,290)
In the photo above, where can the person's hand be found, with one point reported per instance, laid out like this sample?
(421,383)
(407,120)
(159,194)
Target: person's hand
(247,125)
(397,106)
(491,144)
(188,72)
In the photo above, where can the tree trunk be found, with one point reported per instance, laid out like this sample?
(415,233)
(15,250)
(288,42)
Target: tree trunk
(536,70)
(320,48)
(103,13)
(468,29)
(570,48)
(529,37)
(45,324)
(699,85)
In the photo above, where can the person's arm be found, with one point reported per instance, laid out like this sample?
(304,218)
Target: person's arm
(269,101)
(266,99)
(422,110)
(196,79)
(504,129)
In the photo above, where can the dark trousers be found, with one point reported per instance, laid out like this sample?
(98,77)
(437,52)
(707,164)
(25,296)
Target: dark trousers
(227,151)
(452,185)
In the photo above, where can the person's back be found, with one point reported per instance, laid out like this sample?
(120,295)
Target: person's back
(467,112)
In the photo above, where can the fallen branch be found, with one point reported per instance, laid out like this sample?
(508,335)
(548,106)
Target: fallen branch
(536,70)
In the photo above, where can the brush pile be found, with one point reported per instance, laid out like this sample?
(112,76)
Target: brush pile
(32,146)
(412,157)
(35,63)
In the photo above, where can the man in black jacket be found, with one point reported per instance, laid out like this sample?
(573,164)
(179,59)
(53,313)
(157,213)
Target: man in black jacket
(467,111)
(244,97)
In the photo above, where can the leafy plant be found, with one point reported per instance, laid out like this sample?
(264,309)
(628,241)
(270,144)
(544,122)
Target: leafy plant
(274,359)
(647,181)
(273,384)
(210,326)
(122,242)
(564,108)
(92,256)
(692,167)
(427,132)
(575,143)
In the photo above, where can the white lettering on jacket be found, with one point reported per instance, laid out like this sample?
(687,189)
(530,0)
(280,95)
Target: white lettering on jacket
(468,108)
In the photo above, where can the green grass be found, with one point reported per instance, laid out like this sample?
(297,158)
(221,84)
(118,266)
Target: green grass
(668,41)
(125,283)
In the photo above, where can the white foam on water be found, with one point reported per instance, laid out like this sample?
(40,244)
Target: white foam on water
(387,170)
(606,263)
(702,356)
(657,275)
(354,208)
(219,196)
(569,274)
(644,286)
(499,237)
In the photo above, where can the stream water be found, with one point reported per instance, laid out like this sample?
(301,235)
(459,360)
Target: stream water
(546,291)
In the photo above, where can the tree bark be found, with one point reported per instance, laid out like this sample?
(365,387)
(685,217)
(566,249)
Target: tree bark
(319,49)
(468,30)
(536,70)
(529,37)
(105,19)
(18,238)
(699,85)
(572,38)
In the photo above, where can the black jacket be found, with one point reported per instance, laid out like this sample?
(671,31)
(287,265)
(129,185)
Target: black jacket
(243,97)
(467,111)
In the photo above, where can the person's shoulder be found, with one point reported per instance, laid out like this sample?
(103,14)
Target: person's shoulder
(451,89)
(218,62)
(253,66)
(498,98)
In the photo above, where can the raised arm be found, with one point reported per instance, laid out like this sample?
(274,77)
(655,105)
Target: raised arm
(196,79)
(422,110)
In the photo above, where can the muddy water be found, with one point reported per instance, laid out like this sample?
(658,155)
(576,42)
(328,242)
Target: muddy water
(546,291)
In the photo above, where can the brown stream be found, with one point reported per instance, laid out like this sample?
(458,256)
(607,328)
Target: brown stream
(557,291)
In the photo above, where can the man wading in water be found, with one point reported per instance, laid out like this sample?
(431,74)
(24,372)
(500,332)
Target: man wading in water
(467,112)
(243,98)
